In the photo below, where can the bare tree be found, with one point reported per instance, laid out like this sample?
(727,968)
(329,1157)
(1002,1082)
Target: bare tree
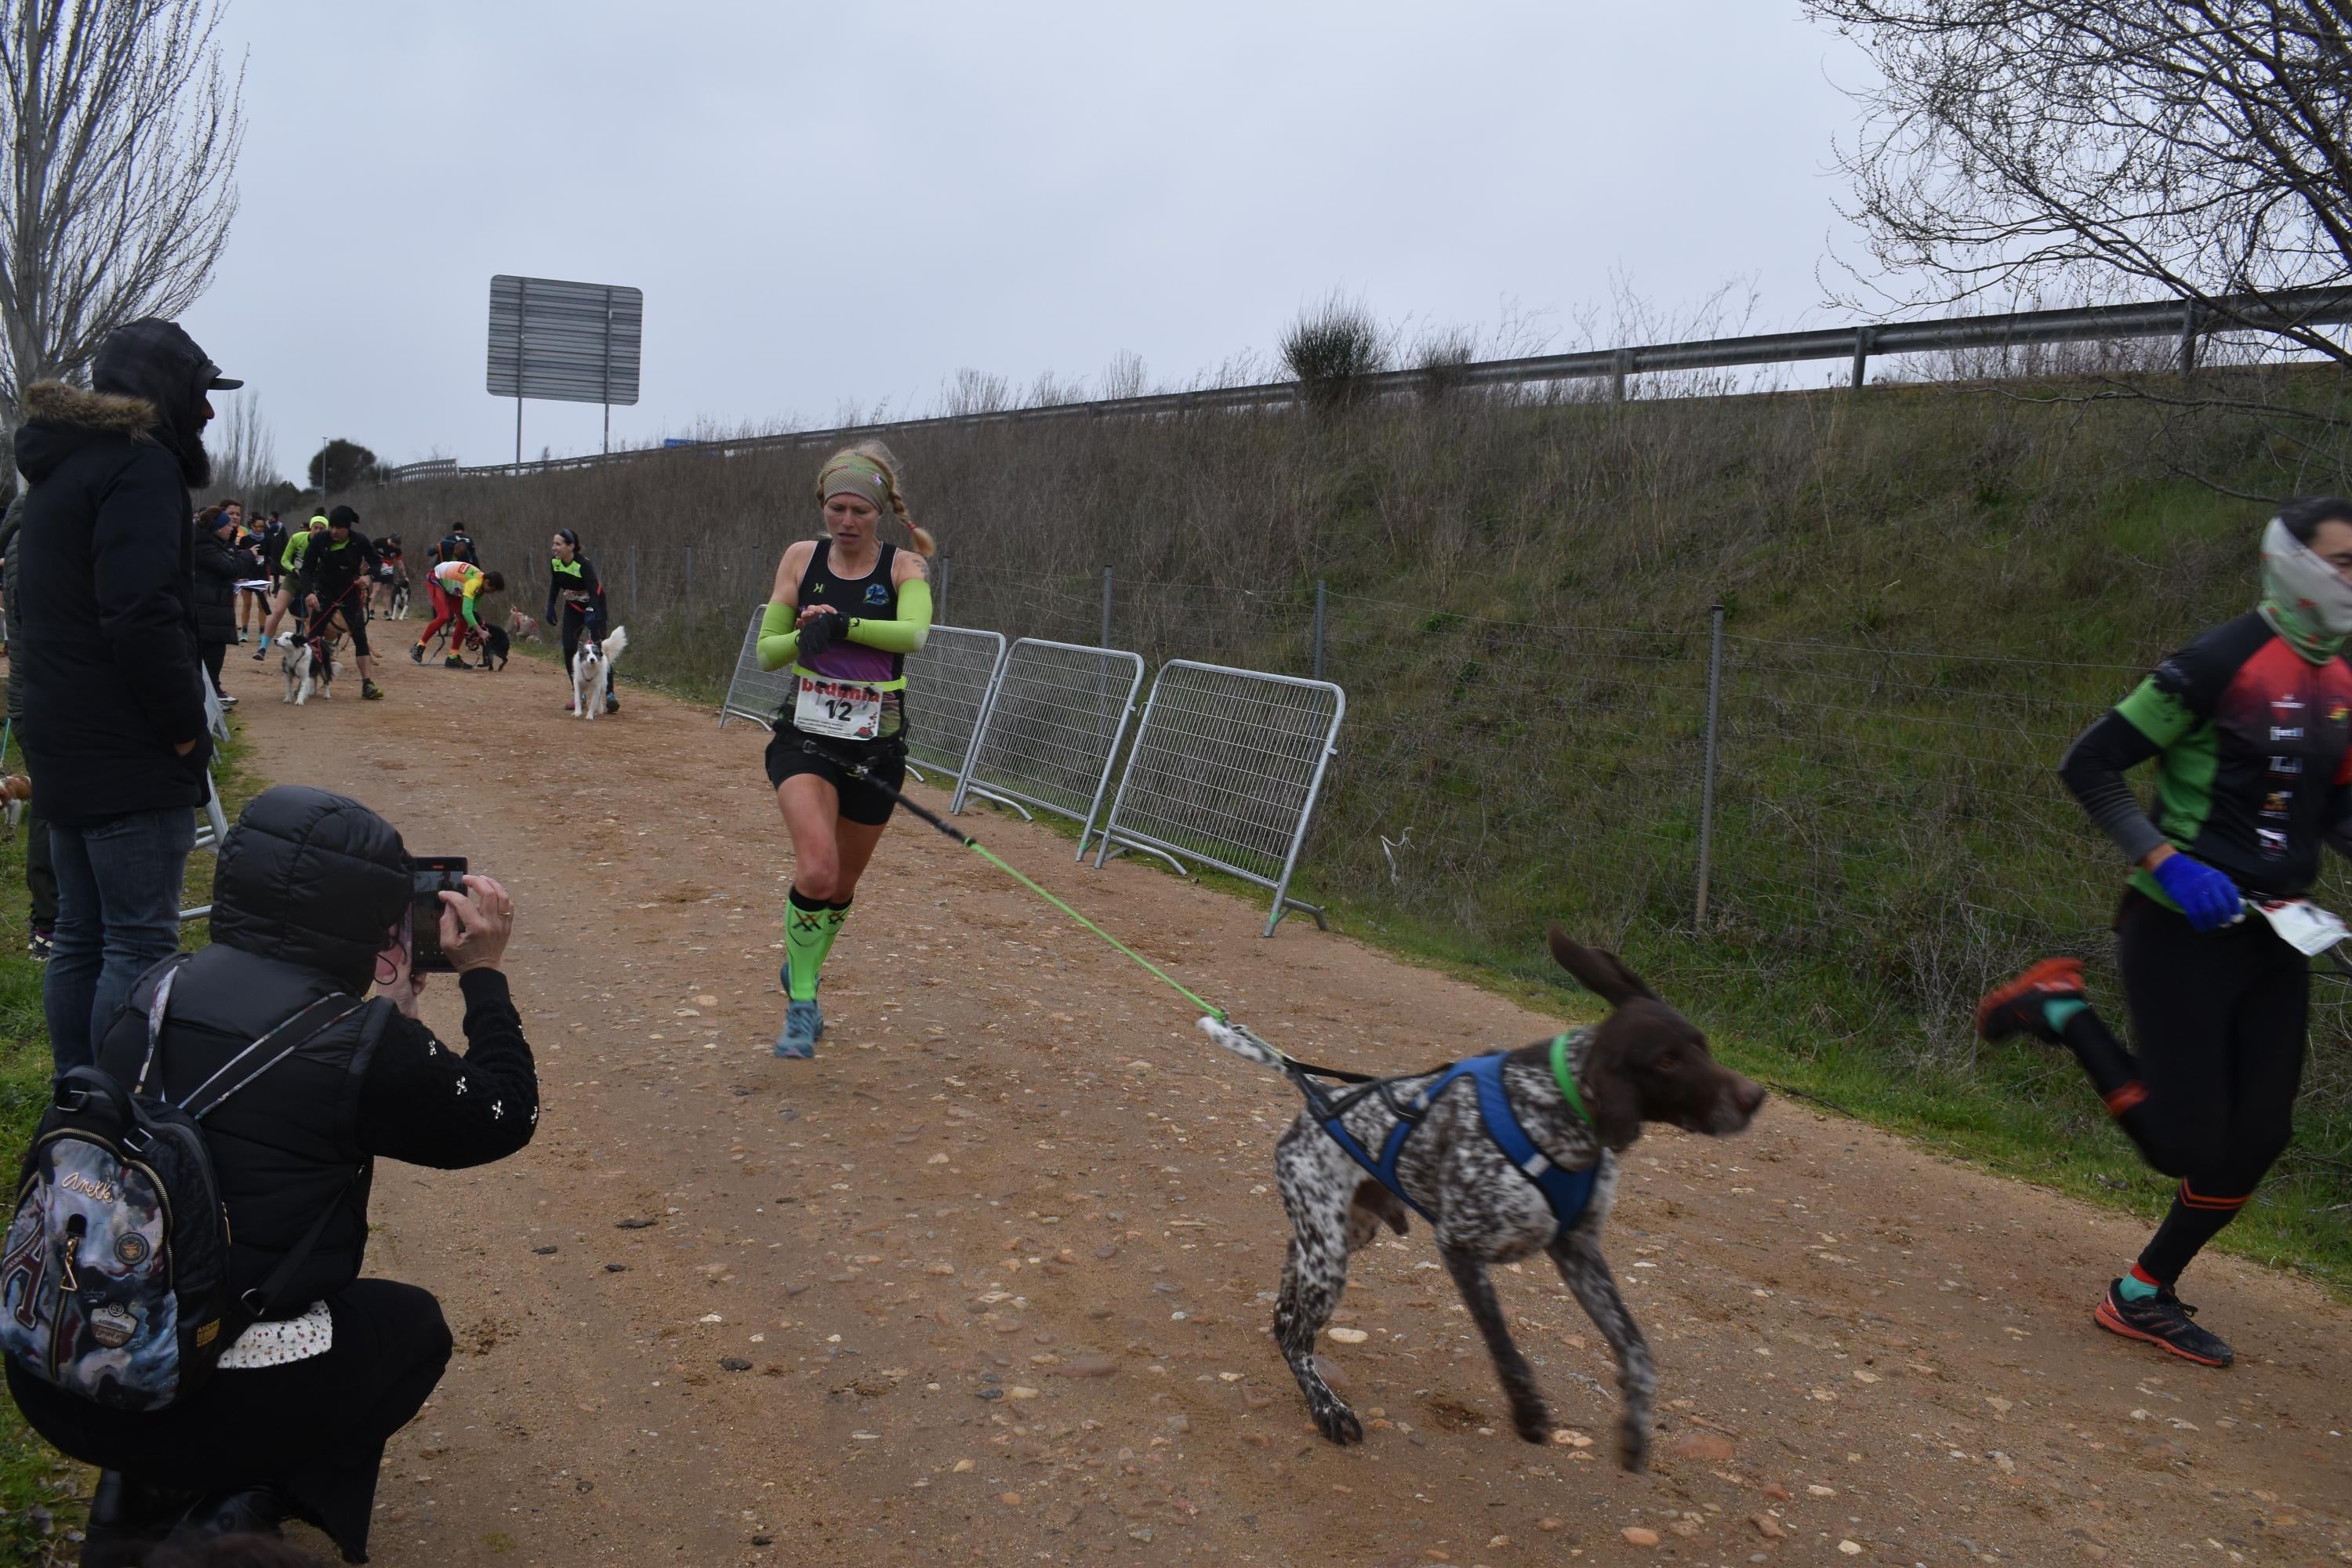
(244,450)
(2020,147)
(119,129)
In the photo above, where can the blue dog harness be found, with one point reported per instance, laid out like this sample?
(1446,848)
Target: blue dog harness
(1567,1191)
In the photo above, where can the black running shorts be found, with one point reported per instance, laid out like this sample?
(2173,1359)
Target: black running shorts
(860,800)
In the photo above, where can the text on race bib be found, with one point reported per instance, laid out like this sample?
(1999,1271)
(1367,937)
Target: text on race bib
(842,707)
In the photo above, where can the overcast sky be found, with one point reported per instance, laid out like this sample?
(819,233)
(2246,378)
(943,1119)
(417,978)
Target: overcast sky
(842,206)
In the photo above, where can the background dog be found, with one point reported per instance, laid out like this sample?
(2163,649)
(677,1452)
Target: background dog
(592,671)
(310,666)
(1644,1062)
(521,625)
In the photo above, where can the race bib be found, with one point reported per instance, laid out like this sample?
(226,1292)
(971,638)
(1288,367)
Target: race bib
(841,708)
(2302,925)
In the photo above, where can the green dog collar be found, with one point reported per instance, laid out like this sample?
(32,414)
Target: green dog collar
(1566,1078)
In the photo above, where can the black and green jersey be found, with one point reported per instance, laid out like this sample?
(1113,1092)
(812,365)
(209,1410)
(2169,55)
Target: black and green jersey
(2253,750)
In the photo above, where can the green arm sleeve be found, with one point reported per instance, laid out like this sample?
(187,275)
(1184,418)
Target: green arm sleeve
(779,639)
(2158,714)
(904,635)
(465,602)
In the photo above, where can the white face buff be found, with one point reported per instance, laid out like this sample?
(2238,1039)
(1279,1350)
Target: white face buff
(2297,581)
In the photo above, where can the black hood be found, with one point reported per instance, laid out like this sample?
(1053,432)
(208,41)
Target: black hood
(313,880)
(155,361)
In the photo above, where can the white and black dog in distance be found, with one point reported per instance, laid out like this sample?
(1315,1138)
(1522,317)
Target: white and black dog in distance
(1644,1062)
(310,666)
(592,671)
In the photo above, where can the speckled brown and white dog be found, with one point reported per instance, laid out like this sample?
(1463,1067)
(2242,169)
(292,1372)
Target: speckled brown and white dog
(1644,1062)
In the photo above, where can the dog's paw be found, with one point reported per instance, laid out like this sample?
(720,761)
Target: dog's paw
(1634,1448)
(1533,1424)
(1339,1423)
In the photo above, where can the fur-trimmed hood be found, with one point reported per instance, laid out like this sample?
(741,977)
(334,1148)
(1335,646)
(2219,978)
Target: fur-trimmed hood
(61,420)
(56,402)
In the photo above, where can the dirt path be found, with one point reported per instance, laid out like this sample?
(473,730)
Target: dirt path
(990,1279)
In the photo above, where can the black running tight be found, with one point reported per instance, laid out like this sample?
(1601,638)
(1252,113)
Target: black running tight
(2219,1019)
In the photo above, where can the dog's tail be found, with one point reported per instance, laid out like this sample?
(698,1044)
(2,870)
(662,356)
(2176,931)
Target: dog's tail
(616,645)
(1242,1044)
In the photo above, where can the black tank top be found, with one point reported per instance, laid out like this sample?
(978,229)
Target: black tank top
(873,597)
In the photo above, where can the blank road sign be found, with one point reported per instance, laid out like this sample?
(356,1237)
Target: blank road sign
(573,343)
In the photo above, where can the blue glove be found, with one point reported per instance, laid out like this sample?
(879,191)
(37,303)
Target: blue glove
(2207,897)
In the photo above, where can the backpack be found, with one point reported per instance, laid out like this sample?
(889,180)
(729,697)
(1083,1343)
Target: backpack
(114,1279)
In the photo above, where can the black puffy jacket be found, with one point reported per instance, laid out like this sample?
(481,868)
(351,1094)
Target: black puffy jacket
(220,566)
(309,886)
(105,636)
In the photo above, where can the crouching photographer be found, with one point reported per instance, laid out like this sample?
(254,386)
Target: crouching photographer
(298,1086)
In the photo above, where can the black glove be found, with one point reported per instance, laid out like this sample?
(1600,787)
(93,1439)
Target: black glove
(821,632)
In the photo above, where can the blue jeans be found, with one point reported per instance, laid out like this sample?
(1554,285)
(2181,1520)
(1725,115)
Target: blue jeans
(118,917)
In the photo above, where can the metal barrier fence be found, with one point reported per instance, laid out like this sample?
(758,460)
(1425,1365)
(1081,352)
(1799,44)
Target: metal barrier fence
(1226,766)
(212,832)
(1053,728)
(751,692)
(947,691)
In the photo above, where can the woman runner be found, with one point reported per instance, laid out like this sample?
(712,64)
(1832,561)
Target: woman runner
(847,610)
(573,583)
(2250,730)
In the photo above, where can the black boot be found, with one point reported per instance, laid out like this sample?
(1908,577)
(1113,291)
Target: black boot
(128,1519)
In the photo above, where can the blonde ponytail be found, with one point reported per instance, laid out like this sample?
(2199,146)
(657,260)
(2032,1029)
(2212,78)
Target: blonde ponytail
(874,455)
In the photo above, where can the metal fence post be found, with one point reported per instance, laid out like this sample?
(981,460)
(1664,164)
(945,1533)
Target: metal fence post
(689,584)
(1706,779)
(1105,629)
(2189,316)
(940,611)
(1319,628)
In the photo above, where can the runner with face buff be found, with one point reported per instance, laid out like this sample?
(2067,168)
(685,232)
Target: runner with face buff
(846,611)
(2250,730)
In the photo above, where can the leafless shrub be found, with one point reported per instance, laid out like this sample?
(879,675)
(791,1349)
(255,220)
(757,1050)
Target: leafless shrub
(1125,375)
(1331,348)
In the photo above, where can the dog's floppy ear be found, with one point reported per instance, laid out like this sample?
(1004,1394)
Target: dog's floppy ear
(1598,973)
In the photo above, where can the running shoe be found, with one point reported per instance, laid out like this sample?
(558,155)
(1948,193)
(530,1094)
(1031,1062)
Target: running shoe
(802,1024)
(41,943)
(369,691)
(784,985)
(454,662)
(2016,1008)
(227,701)
(262,652)
(2162,1321)
(416,653)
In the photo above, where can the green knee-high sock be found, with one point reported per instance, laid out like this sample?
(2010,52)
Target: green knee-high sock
(834,915)
(808,933)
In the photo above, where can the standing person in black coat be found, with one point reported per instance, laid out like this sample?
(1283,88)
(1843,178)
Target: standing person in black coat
(114,698)
(220,565)
(40,878)
(311,901)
